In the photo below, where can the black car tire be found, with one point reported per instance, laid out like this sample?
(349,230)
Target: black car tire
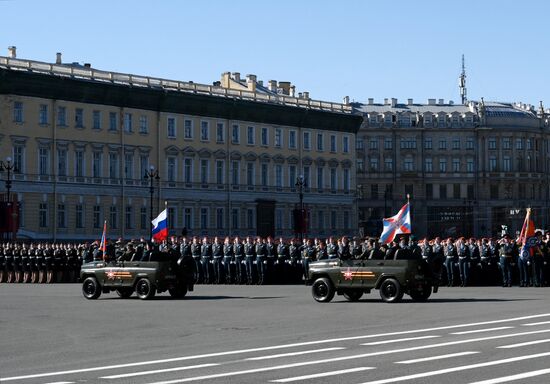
(144,289)
(322,290)
(178,292)
(124,293)
(391,291)
(91,289)
(353,294)
(421,295)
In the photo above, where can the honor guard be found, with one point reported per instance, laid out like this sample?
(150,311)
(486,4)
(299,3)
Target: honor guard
(206,255)
(506,253)
(196,254)
(332,248)
(250,257)
(261,260)
(240,269)
(463,254)
(228,260)
(449,251)
(282,259)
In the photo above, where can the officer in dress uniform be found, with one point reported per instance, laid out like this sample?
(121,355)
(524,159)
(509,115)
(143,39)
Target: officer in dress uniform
(228,260)
(295,252)
(240,269)
(308,255)
(332,248)
(196,254)
(539,252)
(437,259)
(484,260)
(206,256)
(355,249)
(506,253)
(282,259)
(261,256)
(250,255)
(271,253)
(322,253)
(17,265)
(344,249)
(25,264)
(473,251)
(449,251)
(217,255)
(463,261)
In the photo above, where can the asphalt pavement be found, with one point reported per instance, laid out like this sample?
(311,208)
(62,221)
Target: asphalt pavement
(263,334)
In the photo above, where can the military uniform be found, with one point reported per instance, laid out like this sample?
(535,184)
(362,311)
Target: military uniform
(449,253)
(196,254)
(261,256)
(282,259)
(506,253)
(250,255)
(206,256)
(462,252)
(217,255)
(227,261)
(238,251)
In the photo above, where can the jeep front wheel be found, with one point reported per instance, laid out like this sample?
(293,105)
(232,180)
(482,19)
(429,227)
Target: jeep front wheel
(90,288)
(322,290)
(391,291)
(144,289)
(353,295)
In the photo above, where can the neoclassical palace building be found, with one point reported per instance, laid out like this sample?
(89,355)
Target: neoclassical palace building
(228,155)
(468,168)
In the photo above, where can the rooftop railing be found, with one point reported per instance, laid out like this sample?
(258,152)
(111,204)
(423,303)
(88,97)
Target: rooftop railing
(91,74)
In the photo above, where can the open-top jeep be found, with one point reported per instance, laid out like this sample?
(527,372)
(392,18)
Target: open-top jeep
(160,272)
(352,278)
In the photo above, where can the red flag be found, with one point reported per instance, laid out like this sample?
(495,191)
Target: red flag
(103,244)
(528,228)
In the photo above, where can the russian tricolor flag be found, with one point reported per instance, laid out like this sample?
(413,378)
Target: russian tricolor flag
(160,227)
(398,224)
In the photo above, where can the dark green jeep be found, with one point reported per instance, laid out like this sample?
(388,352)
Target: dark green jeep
(352,278)
(159,273)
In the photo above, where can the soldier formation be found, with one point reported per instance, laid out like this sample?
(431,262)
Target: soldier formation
(255,260)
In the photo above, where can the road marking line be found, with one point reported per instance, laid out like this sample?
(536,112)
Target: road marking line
(533,324)
(343,358)
(480,330)
(282,346)
(519,376)
(524,344)
(142,373)
(61,382)
(295,353)
(457,369)
(440,357)
(399,340)
(324,374)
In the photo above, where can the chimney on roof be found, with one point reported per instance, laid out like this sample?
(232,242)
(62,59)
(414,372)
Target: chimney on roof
(441,101)
(393,101)
(12,52)
(58,58)
(346,100)
(261,83)
(226,76)
(300,95)
(306,95)
(285,87)
(431,101)
(237,76)
(409,101)
(87,65)
(251,82)
(385,101)
(371,101)
(272,85)
(292,91)
(451,102)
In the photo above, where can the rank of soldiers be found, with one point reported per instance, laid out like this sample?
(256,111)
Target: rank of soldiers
(267,261)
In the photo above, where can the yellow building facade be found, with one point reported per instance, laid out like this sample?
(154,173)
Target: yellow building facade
(82,141)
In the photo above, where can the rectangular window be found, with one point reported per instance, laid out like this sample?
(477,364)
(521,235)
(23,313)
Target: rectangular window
(278,137)
(333,220)
(507,164)
(470,165)
(235,218)
(264,175)
(519,144)
(506,143)
(96,119)
(442,144)
(205,130)
(456,191)
(346,180)
(171,127)
(492,164)
(171,169)
(219,218)
(373,143)
(320,181)
(374,191)
(127,122)
(79,118)
(129,166)
(235,134)
(219,171)
(113,121)
(441,120)
(307,140)
(143,165)
(373,166)
(429,191)
(44,161)
(333,143)
(250,218)
(129,218)
(62,116)
(529,144)
(113,217)
(360,165)
(442,165)
(61,218)
(388,143)
(409,189)
(347,224)
(388,164)
(359,144)
(456,165)
(204,218)
(442,191)
(188,170)
(492,143)
(18,156)
(470,192)
(143,218)
(278,219)
(291,176)
(143,124)
(17,111)
(220,133)
(456,143)
(204,171)
(408,164)
(97,164)
(171,217)
(470,143)
(113,165)
(96,213)
(188,129)
(79,163)
(62,162)
(43,215)
(235,170)
(320,142)
(408,143)
(264,137)
(43,114)
(333,180)
(250,135)
(345,144)
(188,218)
(292,139)
(428,165)
(278,176)
(306,178)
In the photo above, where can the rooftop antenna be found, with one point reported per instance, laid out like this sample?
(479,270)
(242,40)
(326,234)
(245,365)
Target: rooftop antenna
(462,83)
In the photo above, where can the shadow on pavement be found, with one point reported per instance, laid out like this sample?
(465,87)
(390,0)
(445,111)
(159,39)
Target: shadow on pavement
(437,300)
(192,298)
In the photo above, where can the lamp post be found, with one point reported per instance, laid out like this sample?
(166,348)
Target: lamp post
(301,184)
(10,168)
(152,174)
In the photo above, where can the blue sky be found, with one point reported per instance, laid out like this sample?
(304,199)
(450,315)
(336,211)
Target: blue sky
(403,49)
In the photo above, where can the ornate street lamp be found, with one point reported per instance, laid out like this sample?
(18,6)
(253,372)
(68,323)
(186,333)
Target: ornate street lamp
(152,174)
(10,168)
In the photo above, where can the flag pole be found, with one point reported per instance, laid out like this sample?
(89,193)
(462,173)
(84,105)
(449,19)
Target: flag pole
(166,209)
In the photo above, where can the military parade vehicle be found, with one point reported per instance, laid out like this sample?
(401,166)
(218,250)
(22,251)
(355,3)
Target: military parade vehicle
(353,278)
(159,272)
